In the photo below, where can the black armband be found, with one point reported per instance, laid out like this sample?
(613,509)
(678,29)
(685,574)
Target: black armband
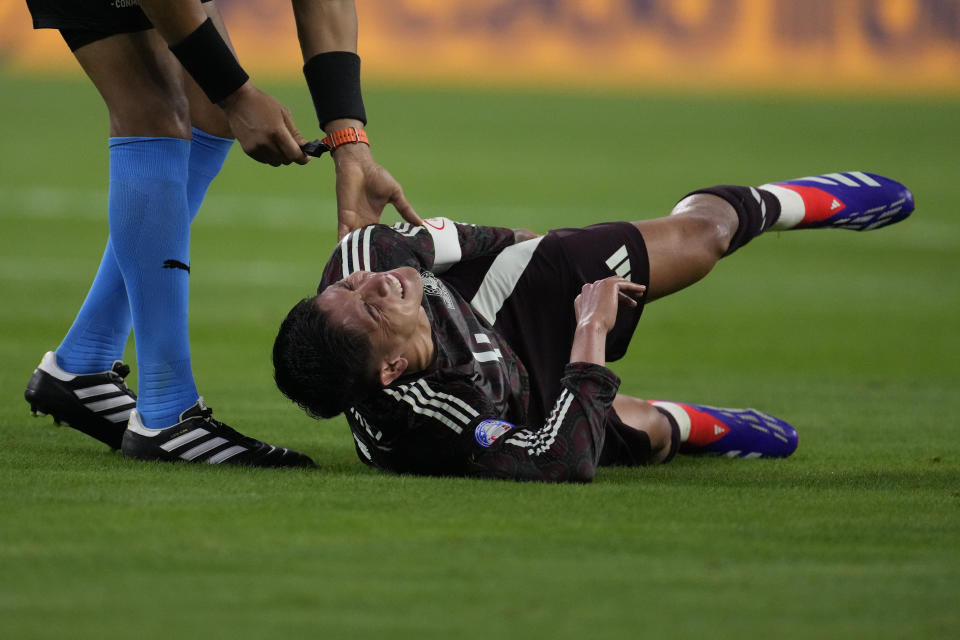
(208,59)
(334,82)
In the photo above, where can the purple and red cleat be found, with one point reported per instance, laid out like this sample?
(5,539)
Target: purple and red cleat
(851,200)
(734,433)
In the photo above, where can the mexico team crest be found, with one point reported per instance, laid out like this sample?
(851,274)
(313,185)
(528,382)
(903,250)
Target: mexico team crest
(433,287)
(489,431)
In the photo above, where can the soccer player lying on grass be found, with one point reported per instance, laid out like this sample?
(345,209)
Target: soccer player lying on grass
(471,351)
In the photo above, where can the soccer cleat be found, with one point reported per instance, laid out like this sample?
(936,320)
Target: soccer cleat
(734,433)
(98,404)
(851,200)
(200,438)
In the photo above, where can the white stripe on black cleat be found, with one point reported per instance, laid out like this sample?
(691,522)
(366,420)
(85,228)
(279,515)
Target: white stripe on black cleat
(97,404)
(198,438)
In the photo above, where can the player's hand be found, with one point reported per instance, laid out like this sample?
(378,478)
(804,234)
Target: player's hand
(264,127)
(364,188)
(598,302)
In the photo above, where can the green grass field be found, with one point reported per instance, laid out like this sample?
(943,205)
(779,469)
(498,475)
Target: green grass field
(851,337)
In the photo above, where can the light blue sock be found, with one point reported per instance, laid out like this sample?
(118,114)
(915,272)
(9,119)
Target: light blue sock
(150,233)
(207,155)
(100,331)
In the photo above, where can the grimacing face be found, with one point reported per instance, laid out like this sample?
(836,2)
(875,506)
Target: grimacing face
(383,305)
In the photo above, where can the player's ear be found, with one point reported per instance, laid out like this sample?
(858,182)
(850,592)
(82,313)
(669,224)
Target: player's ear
(392,369)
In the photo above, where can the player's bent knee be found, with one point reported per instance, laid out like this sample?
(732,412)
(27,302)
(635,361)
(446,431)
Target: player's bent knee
(710,232)
(140,82)
(168,118)
(708,220)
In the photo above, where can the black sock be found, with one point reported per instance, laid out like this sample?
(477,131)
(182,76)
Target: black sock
(674,434)
(756,209)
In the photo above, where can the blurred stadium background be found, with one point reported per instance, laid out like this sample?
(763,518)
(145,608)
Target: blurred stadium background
(852,45)
(535,113)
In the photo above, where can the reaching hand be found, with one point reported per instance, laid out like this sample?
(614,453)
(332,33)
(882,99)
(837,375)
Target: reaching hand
(264,127)
(364,188)
(599,301)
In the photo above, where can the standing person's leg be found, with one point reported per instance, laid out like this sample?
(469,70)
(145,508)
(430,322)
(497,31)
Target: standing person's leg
(212,138)
(141,84)
(102,327)
(88,358)
(177,425)
(151,160)
(82,383)
(100,332)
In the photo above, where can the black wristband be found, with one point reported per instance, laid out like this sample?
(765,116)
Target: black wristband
(334,82)
(207,58)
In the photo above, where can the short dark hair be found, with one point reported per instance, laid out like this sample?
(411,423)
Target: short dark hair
(321,367)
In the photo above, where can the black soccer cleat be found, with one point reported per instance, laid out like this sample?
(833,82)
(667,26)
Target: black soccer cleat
(98,404)
(200,438)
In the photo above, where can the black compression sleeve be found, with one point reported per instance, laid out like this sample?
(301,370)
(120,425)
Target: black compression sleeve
(334,82)
(208,59)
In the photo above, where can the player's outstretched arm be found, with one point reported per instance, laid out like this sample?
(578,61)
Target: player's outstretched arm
(262,125)
(327,30)
(567,447)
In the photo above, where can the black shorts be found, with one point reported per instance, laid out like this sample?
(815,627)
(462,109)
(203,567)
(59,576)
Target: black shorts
(531,305)
(84,21)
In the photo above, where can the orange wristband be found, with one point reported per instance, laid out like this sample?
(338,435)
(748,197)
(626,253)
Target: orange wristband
(336,139)
(346,136)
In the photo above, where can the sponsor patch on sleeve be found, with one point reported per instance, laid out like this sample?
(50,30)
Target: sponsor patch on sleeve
(489,431)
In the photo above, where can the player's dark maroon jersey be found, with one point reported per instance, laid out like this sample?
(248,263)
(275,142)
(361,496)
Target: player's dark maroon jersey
(467,413)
